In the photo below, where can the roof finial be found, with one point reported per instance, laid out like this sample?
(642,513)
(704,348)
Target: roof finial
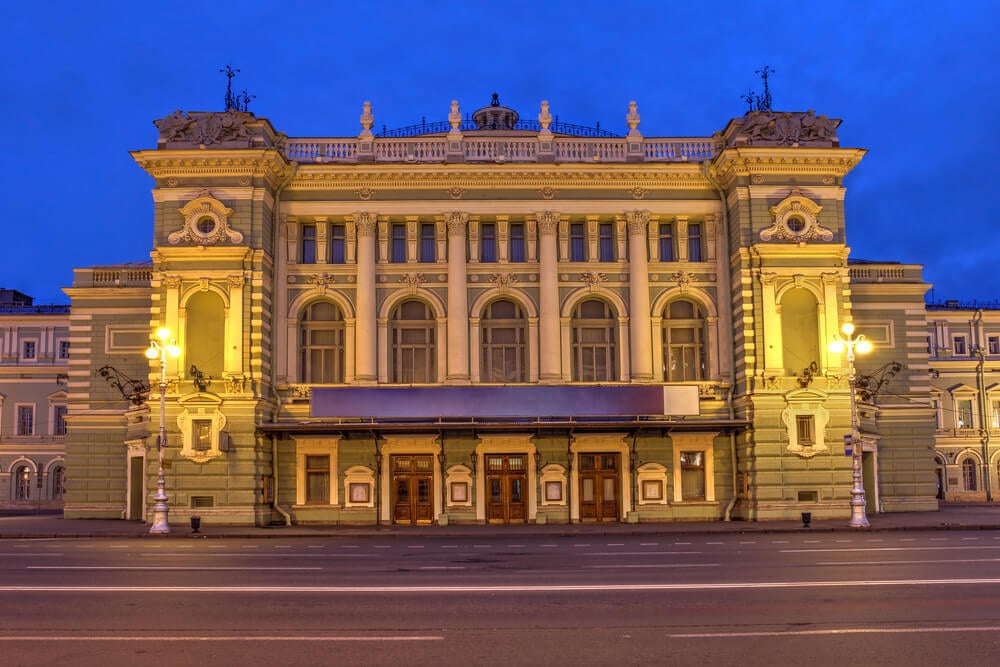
(232,101)
(495,102)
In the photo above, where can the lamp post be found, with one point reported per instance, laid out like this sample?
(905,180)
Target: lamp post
(846,340)
(160,348)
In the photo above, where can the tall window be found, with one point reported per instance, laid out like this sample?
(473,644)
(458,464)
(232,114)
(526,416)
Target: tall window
(517,241)
(58,477)
(64,349)
(29,350)
(963,413)
(995,414)
(683,342)
(59,420)
(577,243)
(308,255)
(398,245)
(969,476)
(694,243)
(959,346)
(666,242)
(693,475)
(413,353)
(322,344)
(606,242)
(993,344)
(22,483)
(427,242)
(488,242)
(594,342)
(201,435)
(26,420)
(317,480)
(338,243)
(805,430)
(503,349)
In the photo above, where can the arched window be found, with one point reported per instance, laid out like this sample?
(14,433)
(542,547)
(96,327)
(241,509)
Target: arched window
(799,330)
(594,342)
(22,483)
(58,481)
(683,342)
(969,476)
(322,344)
(206,329)
(503,347)
(412,355)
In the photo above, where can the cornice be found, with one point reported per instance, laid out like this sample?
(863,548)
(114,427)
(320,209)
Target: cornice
(733,163)
(435,176)
(269,164)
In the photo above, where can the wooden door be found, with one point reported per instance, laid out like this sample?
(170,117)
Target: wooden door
(413,489)
(506,488)
(600,483)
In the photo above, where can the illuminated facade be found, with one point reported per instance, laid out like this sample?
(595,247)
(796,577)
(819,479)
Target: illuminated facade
(493,320)
(34,358)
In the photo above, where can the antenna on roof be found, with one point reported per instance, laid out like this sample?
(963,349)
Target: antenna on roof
(764,101)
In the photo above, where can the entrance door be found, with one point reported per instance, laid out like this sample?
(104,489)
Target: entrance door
(413,489)
(599,484)
(506,488)
(135,481)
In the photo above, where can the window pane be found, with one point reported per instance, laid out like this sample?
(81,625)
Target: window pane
(694,243)
(577,250)
(488,242)
(426,242)
(337,245)
(666,243)
(308,244)
(517,242)
(607,243)
(398,244)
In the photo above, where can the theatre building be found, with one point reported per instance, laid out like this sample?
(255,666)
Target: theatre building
(499,320)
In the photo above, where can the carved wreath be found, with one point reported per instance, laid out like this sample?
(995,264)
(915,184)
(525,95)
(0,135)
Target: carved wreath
(206,222)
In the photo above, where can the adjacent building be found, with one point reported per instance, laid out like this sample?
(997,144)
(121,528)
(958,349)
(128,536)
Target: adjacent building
(34,359)
(501,320)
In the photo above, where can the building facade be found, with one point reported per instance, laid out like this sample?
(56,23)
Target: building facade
(34,359)
(498,320)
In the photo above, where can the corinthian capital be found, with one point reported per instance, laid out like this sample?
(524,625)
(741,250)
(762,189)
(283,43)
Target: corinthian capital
(638,222)
(366,223)
(457,222)
(548,222)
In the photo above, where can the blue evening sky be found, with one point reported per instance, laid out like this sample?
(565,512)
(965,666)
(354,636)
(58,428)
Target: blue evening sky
(915,83)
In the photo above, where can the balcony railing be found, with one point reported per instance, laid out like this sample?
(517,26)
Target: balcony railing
(493,148)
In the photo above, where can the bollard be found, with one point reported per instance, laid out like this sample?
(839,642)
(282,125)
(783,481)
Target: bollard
(806,519)
(195,523)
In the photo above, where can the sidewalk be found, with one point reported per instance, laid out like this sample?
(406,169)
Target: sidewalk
(52,525)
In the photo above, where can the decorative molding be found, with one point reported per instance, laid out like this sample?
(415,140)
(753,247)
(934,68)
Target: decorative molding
(456,192)
(412,281)
(593,279)
(796,220)
(321,280)
(637,192)
(206,222)
(365,194)
(683,279)
(502,281)
(548,192)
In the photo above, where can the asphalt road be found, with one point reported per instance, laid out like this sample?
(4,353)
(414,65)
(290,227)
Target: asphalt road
(909,598)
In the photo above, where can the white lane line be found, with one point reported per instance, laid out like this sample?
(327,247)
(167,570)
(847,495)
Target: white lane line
(644,553)
(549,546)
(119,546)
(616,544)
(482,546)
(583,546)
(383,546)
(970,539)
(415,546)
(349,546)
(185,546)
(449,546)
(712,543)
(748,543)
(910,562)
(157,567)
(837,631)
(222,638)
(249,546)
(780,541)
(687,543)
(24,554)
(515,546)
(649,544)
(314,546)
(511,588)
(440,567)
(657,565)
(941,539)
(877,549)
(282,546)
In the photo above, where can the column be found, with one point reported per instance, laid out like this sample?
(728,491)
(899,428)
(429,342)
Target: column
(773,357)
(233,364)
(458,300)
(638,297)
(366,351)
(548,299)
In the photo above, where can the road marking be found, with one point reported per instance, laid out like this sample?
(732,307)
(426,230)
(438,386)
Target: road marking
(616,544)
(157,567)
(582,546)
(632,567)
(549,546)
(649,544)
(515,546)
(249,546)
(910,562)
(449,546)
(383,546)
(855,549)
(314,546)
(840,631)
(712,543)
(32,555)
(645,553)
(349,546)
(441,567)
(221,638)
(510,588)
(282,546)
(482,546)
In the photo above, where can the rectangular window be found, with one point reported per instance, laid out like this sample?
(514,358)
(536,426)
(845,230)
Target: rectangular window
(694,243)
(577,243)
(427,242)
(993,344)
(487,242)
(958,346)
(308,244)
(804,431)
(398,244)
(64,349)
(666,242)
(963,413)
(201,435)
(606,242)
(995,414)
(26,420)
(338,242)
(59,420)
(693,475)
(517,242)
(29,350)
(318,480)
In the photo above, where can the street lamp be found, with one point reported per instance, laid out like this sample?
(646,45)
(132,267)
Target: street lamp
(845,340)
(160,348)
